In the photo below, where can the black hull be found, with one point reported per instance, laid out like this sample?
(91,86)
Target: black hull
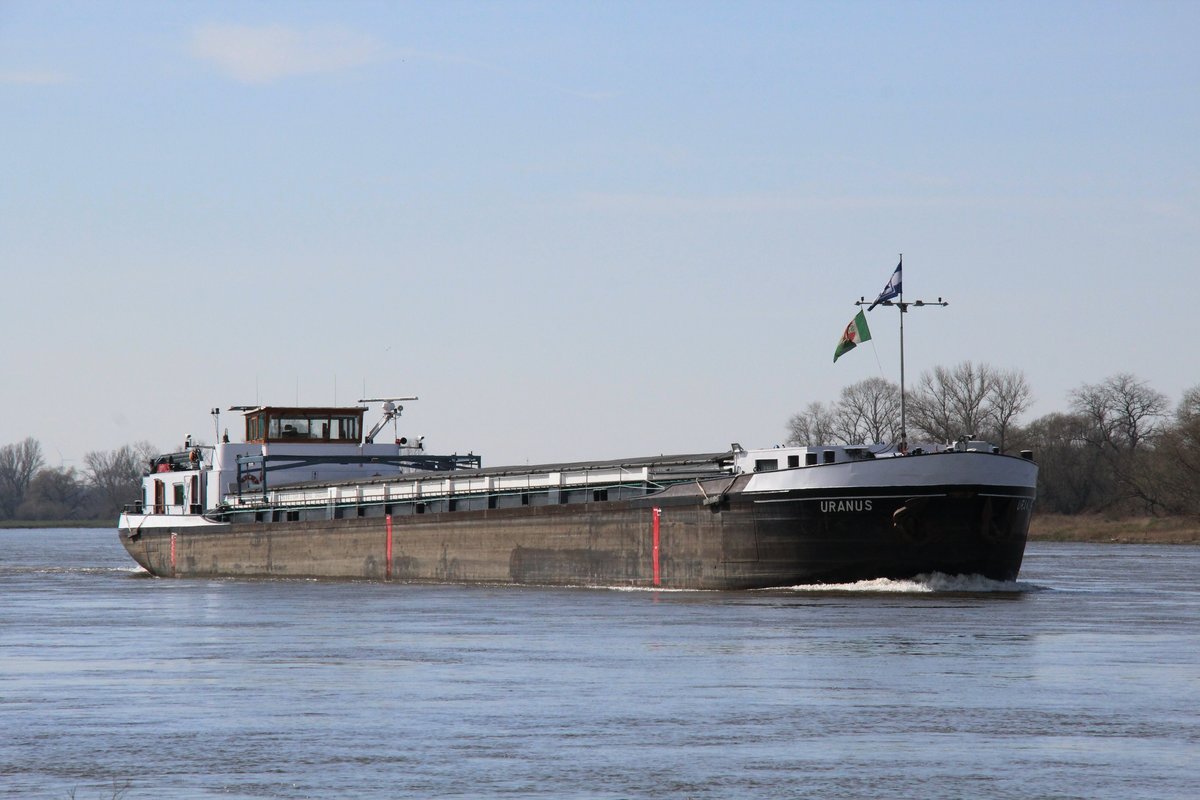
(965,533)
(714,536)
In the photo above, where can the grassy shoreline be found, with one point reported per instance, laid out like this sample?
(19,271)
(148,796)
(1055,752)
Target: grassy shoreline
(1132,530)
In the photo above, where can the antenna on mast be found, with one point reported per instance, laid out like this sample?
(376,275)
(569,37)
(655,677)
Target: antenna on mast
(390,412)
(901,304)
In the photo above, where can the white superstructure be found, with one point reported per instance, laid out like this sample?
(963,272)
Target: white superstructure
(282,446)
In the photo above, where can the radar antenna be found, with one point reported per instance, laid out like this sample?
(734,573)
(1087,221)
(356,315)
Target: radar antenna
(390,412)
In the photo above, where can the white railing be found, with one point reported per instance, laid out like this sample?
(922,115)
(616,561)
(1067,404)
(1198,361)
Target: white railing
(425,489)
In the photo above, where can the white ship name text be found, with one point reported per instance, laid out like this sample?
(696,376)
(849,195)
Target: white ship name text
(833,506)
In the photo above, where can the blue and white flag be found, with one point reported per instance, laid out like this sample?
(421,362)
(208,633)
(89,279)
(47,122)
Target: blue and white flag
(891,290)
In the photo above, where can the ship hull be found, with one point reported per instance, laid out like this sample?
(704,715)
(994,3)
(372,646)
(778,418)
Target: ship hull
(753,531)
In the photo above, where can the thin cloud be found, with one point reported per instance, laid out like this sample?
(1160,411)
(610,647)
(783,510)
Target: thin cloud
(32,77)
(266,54)
(502,72)
(768,203)
(731,203)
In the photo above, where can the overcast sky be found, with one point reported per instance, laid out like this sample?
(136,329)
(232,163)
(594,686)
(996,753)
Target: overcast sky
(581,229)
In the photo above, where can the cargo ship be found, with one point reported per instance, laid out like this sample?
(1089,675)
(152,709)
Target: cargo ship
(309,494)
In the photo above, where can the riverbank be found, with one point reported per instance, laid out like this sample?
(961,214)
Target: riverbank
(1095,528)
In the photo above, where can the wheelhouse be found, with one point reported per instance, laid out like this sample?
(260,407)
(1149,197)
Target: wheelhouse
(271,424)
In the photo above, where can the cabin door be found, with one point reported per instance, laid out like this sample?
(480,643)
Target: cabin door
(160,498)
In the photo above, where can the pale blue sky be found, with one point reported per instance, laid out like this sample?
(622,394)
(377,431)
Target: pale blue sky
(581,229)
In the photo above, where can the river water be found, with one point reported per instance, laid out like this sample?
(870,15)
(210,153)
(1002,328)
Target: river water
(1081,680)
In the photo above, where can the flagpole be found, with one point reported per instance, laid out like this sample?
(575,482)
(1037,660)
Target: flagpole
(884,299)
(903,420)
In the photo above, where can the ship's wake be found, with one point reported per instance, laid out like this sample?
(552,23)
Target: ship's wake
(931,583)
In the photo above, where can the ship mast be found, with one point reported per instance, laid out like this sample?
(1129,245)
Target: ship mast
(903,306)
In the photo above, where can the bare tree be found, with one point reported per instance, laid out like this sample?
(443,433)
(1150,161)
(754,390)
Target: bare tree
(55,493)
(1124,417)
(18,464)
(950,403)
(1178,456)
(1008,398)
(869,412)
(866,412)
(1125,413)
(813,426)
(969,399)
(117,474)
(1189,407)
(1072,477)
(931,409)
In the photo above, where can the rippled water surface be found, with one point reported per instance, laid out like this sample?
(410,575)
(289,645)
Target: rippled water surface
(1080,681)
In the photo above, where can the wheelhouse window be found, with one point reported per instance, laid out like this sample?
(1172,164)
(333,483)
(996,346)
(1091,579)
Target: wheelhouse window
(293,428)
(256,427)
(340,425)
(348,427)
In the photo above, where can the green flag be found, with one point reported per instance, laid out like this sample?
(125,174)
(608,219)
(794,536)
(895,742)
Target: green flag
(855,334)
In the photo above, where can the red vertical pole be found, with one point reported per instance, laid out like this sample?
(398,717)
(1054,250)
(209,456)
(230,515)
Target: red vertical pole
(387,570)
(657,512)
(173,538)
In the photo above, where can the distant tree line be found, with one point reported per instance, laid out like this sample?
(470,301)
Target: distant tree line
(30,490)
(1121,449)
